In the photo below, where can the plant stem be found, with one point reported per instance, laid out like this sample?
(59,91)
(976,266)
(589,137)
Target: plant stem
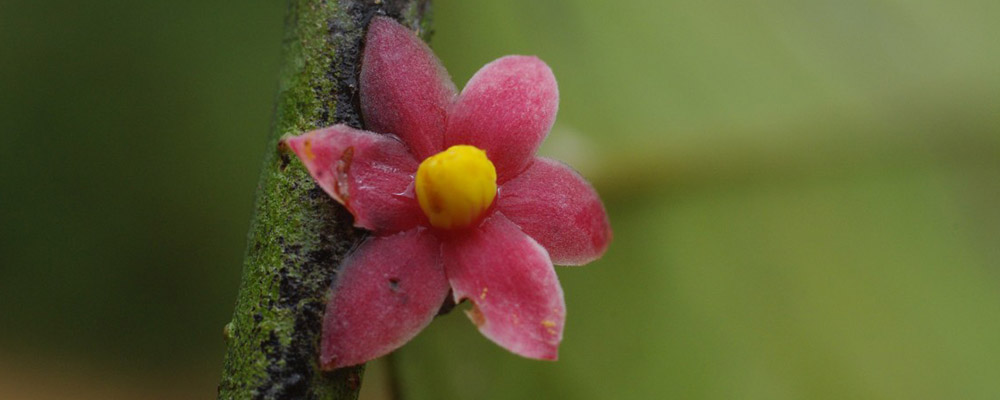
(299,235)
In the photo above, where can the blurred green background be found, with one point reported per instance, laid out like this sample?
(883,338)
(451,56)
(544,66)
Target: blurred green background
(804,195)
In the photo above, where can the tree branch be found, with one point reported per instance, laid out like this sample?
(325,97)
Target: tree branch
(299,235)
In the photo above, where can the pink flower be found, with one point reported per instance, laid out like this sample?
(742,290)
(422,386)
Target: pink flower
(456,200)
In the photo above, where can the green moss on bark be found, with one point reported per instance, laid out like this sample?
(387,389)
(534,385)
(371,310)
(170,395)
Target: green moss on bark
(299,235)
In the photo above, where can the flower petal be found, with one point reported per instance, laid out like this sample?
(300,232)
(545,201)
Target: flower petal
(558,208)
(517,300)
(404,88)
(388,290)
(369,173)
(507,108)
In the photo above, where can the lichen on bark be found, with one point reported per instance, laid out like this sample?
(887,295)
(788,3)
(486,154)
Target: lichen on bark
(299,235)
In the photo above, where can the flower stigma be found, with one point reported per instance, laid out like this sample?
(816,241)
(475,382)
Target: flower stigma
(456,186)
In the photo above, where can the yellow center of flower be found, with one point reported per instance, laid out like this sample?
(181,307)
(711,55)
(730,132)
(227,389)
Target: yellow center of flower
(454,187)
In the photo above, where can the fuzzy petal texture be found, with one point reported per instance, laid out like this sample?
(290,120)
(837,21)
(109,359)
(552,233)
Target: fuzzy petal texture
(517,300)
(388,290)
(507,109)
(558,208)
(404,88)
(369,173)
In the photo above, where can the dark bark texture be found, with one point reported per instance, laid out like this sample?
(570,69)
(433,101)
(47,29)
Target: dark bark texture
(299,235)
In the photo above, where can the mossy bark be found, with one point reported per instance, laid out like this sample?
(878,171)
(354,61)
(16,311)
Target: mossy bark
(299,235)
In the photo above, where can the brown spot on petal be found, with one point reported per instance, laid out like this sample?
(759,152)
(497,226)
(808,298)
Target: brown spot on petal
(307,149)
(343,167)
(476,316)
(329,364)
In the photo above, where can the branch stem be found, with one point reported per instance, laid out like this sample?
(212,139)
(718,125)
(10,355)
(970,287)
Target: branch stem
(299,236)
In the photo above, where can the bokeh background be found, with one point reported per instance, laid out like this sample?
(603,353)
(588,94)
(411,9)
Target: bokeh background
(805,197)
